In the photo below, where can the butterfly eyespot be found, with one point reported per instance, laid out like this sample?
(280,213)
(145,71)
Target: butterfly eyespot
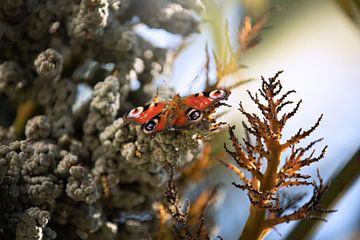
(217,94)
(194,114)
(134,113)
(150,126)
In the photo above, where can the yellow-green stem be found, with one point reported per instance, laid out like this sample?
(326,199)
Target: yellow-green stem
(269,180)
(254,227)
(24,111)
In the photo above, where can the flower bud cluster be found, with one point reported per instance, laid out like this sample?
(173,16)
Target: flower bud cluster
(70,161)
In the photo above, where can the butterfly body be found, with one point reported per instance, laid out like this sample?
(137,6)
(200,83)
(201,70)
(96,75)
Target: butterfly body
(177,113)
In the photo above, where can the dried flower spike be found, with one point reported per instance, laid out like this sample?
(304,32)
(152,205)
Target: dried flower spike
(188,221)
(269,204)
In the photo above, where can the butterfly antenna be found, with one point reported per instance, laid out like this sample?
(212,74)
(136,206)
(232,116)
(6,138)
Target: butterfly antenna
(190,84)
(156,98)
(207,73)
(207,68)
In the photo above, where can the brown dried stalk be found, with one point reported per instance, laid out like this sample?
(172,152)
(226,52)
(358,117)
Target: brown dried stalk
(269,204)
(248,35)
(188,221)
(226,56)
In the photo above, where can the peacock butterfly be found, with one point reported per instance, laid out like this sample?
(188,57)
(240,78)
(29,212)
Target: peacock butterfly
(177,113)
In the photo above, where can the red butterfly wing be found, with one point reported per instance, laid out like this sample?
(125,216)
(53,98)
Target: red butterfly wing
(202,101)
(198,102)
(155,125)
(145,113)
(196,106)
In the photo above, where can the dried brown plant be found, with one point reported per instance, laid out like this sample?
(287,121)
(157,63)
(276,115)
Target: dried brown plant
(188,220)
(261,156)
(227,60)
(226,56)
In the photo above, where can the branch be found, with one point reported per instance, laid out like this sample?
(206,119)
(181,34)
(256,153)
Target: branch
(301,134)
(341,182)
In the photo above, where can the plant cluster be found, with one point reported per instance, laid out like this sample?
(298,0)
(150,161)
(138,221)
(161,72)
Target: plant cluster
(76,165)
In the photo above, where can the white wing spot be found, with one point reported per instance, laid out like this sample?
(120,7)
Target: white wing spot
(217,94)
(135,112)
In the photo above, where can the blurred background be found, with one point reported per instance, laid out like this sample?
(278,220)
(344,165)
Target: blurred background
(317,44)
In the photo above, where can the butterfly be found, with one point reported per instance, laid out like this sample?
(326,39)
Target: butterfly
(178,112)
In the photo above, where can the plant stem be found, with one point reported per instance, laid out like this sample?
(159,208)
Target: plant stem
(254,227)
(24,111)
